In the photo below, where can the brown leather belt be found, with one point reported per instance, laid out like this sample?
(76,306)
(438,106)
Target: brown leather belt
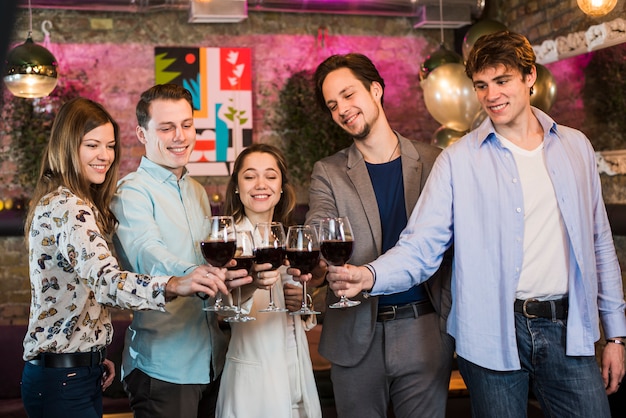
(550,309)
(69,360)
(410,310)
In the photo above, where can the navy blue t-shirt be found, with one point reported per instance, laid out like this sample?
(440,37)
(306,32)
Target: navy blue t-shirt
(389,189)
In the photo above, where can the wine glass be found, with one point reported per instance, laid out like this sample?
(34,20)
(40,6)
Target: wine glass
(218,248)
(336,242)
(244,255)
(303,253)
(269,240)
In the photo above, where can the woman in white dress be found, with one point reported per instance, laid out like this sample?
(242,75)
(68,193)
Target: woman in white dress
(268,371)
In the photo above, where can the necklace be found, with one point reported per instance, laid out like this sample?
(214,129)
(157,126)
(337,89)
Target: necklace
(394,150)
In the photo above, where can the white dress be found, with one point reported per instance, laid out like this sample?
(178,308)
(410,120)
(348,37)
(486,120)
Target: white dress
(268,371)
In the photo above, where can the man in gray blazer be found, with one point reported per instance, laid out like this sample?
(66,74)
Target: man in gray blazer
(392,348)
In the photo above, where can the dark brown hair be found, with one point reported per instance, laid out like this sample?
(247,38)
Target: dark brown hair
(283,211)
(162,92)
(360,65)
(501,48)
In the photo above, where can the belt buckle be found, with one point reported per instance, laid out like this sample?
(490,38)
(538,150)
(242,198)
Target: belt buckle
(525,312)
(391,314)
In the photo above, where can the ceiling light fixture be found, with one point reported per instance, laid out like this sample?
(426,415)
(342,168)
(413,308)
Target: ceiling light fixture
(596,8)
(30,69)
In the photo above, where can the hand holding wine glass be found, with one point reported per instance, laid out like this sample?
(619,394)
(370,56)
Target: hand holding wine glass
(269,248)
(336,244)
(244,255)
(303,253)
(218,248)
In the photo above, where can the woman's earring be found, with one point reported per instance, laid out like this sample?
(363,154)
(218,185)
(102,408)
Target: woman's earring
(236,191)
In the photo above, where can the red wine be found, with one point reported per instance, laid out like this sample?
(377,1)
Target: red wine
(337,253)
(218,253)
(269,255)
(305,261)
(243,262)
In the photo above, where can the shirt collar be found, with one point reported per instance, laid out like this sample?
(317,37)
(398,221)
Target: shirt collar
(486,131)
(158,172)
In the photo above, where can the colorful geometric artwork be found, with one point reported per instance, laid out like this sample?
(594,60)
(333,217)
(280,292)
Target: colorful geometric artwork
(220,82)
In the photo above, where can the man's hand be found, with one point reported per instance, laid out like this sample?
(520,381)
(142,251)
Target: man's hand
(313,279)
(349,280)
(613,366)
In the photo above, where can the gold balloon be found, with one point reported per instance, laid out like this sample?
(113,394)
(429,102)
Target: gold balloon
(449,97)
(477,30)
(544,90)
(437,58)
(478,119)
(445,136)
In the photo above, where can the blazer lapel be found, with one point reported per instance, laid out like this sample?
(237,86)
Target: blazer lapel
(360,178)
(412,171)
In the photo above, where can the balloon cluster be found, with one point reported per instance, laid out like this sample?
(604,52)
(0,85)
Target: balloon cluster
(449,94)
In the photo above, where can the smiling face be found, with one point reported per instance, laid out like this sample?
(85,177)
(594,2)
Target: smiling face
(352,106)
(170,134)
(97,153)
(259,184)
(504,94)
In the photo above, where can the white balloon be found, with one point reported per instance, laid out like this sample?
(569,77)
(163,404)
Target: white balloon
(450,98)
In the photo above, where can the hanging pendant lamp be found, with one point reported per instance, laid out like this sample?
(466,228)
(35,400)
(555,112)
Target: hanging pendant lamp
(30,69)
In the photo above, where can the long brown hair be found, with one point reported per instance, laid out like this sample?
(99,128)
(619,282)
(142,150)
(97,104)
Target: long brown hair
(60,165)
(283,211)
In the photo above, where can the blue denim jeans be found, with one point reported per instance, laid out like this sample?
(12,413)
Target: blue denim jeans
(565,386)
(62,393)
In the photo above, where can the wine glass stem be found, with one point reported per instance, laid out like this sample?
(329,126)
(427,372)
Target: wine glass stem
(271,296)
(304,296)
(218,299)
(238,300)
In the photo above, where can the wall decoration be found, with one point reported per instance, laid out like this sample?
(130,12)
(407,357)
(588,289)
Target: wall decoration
(220,81)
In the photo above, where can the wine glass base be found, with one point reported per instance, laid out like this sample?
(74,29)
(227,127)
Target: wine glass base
(239,319)
(274,309)
(305,312)
(227,311)
(344,304)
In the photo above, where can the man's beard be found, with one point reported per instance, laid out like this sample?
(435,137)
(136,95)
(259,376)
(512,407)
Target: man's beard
(364,132)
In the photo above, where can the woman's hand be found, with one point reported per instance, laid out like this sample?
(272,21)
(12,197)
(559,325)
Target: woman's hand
(108,374)
(293,296)
(264,276)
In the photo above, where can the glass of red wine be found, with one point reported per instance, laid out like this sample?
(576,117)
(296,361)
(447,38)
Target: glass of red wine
(244,255)
(336,242)
(303,253)
(269,240)
(218,248)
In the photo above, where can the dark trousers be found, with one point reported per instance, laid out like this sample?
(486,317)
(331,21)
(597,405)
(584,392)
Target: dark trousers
(154,398)
(62,392)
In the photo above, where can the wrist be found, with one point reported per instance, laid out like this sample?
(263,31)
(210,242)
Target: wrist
(367,287)
(616,340)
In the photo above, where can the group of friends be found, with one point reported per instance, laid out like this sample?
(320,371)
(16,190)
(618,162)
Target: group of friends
(497,248)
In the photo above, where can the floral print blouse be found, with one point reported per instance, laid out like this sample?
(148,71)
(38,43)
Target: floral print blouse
(74,277)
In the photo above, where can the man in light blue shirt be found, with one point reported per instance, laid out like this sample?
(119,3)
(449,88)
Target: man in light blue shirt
(172,360)
(535,267)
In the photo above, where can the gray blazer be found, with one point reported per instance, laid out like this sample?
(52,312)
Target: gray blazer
(341,186)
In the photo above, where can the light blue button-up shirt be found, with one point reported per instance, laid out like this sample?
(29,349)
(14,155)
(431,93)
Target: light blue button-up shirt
(160,226)
(473,198)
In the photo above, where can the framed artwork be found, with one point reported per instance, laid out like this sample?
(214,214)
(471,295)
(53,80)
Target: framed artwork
(220,82)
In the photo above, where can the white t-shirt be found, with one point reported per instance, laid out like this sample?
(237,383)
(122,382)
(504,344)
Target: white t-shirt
(546,257)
